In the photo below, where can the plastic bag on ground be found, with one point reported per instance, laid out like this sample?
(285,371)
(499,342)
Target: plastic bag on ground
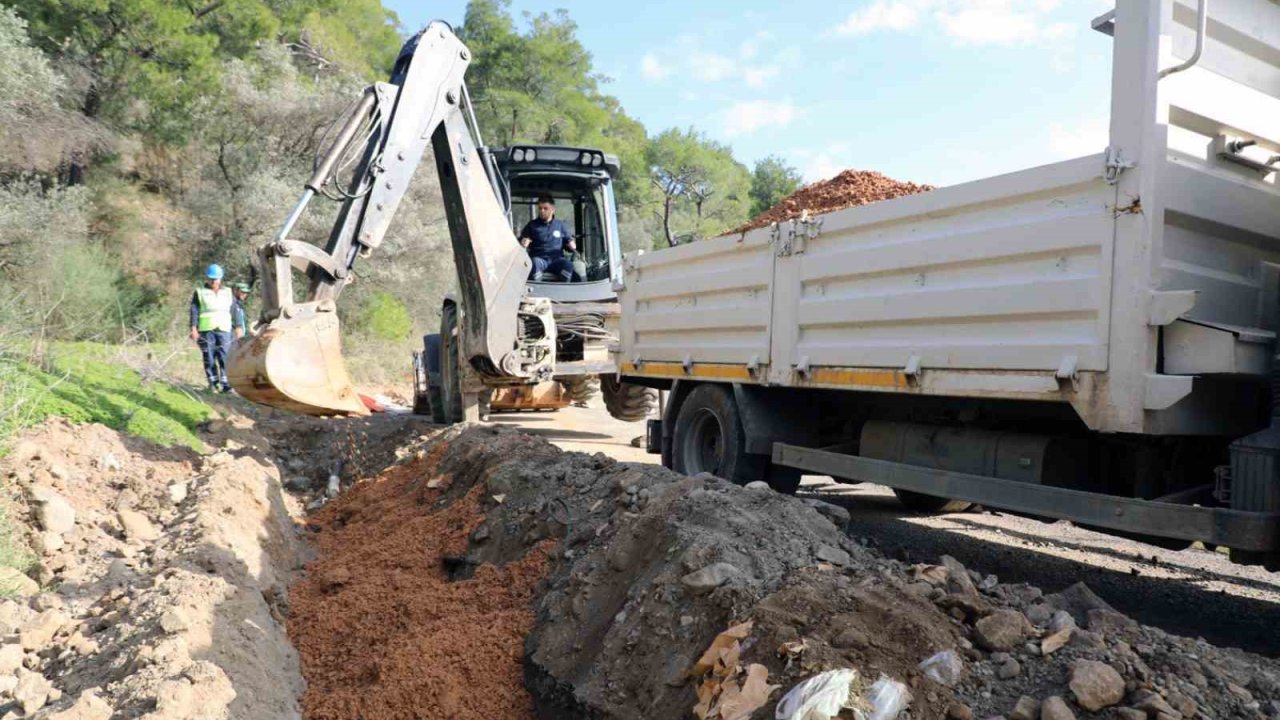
(943,668)
(887,698)
(824,695)
(821,697)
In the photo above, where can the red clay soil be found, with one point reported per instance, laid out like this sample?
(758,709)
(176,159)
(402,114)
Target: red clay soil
(382,632)
(849,188)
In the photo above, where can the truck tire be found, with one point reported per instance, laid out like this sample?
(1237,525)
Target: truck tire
(450,375)
(432,358)
(919,502)
(627,402)
(709,437)
(579,388)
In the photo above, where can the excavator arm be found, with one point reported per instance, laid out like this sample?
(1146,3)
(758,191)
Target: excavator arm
(294,359)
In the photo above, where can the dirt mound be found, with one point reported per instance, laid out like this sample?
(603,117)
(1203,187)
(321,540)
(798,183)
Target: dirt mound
(164,576)
(849,188)
(643,568)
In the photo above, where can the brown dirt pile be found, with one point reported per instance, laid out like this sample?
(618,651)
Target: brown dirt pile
(383,632)
(848,189)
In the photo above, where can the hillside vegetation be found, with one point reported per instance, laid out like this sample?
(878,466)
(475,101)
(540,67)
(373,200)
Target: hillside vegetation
(141,140)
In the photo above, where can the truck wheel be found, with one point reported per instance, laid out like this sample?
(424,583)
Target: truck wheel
(431,357)
(709,438)
(919,502)
(627,402)
(450,377)
(579,388)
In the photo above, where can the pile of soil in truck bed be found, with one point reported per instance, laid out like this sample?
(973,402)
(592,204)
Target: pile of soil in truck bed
(493,575)
(849,188)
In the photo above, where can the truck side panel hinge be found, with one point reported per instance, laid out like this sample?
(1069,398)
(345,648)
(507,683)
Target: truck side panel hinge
(1115,164)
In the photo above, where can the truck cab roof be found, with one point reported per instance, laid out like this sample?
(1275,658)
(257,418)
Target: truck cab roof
(519,159)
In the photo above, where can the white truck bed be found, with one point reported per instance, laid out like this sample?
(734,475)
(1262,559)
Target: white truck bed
(1145,296)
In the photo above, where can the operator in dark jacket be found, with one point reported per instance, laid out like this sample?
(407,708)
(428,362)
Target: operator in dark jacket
(546,239)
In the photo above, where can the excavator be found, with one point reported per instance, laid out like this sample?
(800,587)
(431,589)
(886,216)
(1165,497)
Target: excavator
(504,338)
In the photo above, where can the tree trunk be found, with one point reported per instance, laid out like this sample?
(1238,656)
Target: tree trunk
(666,221)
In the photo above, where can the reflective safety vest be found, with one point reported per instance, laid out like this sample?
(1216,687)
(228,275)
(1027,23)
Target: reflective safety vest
(215,309)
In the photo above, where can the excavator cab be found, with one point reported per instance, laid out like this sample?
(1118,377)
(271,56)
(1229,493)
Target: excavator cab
(580,180)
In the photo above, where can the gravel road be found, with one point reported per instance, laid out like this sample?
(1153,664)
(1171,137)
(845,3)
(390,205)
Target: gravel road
(1191,592)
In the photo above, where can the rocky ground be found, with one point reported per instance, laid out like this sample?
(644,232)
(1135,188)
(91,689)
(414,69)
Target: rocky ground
(482,572)
(644,568)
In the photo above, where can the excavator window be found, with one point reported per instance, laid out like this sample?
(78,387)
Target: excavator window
(582,212)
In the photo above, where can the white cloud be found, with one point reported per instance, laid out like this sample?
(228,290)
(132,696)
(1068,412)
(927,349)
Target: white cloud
(896,15)
(832,160)
(747,117)
(754,62)
(758,77)
(968,22)
(652,68)
(712,67)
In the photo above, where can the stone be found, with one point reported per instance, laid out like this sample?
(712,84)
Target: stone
(136,526)
(959,711)
(1009,669)
(709,578)
(1054,642)
(833,555)
(49,542)
(47,601)
(110,462)
(958,580)
(1077,600)
(174,621)
(40,630)
(32,691)
(87,707)
(1183,704)
(1055,708)
(1040,614)
(26,451)
(53,512)
(1095,685)
(1107,622)
(757,485)
(850,639)
(935,575)
(178,492)
(1240,692)
(1028,708)
(1060,621)
(836,514)
(174,699)
(1002,630)
(14,582)
(215,426)
(1128,713)
(7,684)
(11,655)
(1087,640)
(13,616)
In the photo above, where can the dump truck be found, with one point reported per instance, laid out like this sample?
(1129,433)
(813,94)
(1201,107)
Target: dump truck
(1091,339)
(508,339)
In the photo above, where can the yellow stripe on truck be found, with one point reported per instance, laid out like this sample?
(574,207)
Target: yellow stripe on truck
(827,376)
(706,371)
(857,377)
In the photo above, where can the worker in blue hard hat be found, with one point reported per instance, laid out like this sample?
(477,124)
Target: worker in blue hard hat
(211,306)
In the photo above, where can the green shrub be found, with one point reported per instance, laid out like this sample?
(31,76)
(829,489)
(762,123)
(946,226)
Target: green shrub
(384,317)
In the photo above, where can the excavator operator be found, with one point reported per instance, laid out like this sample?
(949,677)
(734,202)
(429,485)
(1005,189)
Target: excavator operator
(546,239)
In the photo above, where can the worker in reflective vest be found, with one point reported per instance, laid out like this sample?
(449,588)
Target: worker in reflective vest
(211,327)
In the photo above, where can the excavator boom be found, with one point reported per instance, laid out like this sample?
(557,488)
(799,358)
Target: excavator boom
(294,359)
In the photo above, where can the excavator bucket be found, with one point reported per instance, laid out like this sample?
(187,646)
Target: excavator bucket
(296,364)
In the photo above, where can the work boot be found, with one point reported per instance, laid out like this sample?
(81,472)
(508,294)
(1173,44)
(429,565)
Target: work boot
(213,386)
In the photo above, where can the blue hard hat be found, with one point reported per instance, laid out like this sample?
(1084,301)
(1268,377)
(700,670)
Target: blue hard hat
(214,272)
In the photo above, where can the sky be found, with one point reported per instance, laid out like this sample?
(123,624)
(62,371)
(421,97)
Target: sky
(936,91)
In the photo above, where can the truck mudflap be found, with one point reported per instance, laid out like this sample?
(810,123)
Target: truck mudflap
(1256,534)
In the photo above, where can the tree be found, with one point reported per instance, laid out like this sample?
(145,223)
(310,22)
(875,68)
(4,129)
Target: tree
(771,181)
(701,188)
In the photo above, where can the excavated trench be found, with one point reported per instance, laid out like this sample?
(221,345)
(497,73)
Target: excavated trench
(489,574)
